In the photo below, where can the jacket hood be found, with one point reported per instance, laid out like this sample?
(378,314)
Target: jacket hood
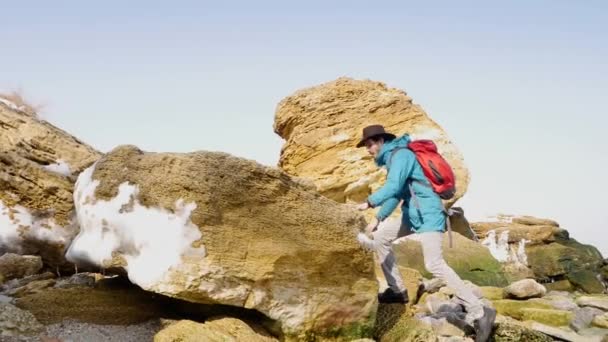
(384,155)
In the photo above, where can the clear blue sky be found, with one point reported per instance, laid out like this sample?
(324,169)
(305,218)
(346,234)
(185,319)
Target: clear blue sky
(519,85)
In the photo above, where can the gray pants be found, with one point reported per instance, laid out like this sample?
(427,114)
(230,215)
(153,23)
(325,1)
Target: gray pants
(392,229)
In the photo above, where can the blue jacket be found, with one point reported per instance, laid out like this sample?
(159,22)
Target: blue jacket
(403,171)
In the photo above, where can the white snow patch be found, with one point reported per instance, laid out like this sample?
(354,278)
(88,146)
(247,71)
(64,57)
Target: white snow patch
(61,167)
(12,105)
(502,251)
(520,255)
(18,226)
(151,240)
(499,248)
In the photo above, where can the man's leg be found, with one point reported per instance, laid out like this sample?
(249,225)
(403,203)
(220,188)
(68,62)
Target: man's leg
(480,317)
(435,264)
(387,232)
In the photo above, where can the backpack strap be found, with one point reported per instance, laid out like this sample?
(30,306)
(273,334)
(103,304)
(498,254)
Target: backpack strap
(448,213)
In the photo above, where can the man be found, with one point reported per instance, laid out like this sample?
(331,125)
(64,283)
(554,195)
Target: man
(422,213)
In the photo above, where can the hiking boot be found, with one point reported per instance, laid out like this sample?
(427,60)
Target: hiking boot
(390,296)
(484,325)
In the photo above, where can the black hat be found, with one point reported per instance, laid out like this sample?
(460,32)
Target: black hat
(374,131)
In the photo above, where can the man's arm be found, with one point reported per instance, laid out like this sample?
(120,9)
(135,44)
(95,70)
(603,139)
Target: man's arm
(402,164)
(387,208)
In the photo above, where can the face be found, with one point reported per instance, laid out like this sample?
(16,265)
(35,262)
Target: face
(373,147)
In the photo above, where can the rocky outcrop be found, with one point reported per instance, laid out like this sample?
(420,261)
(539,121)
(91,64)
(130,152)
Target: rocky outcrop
(38,165)
(212,228)
(539,248)
(322,125)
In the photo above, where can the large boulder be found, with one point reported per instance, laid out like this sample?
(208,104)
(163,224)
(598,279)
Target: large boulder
(211,228)
(322,125)
(38,163)
(470,260)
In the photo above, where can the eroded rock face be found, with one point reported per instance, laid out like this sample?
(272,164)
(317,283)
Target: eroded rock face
(38,164)
(212,228)
(322,125)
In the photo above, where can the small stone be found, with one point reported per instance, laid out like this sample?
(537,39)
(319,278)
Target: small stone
(524,289)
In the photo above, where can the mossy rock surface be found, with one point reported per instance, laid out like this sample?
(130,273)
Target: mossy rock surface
(469,259)
(507,332)
(409,329)
(562,257)
(515,308)
(560,285)
(587,281)
(556,318)
(492,292)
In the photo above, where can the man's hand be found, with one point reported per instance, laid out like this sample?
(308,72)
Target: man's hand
(362,206)
(372,226)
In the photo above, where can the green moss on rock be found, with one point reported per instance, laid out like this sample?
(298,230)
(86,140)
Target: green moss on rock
(514,308)
(556,318)
(506,332)
(469,259)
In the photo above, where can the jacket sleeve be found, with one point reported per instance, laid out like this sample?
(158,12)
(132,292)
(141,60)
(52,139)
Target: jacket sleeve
(402,164)
(387,208)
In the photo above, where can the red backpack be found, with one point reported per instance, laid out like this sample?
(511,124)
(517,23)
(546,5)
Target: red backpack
(435,168)
(438,172)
